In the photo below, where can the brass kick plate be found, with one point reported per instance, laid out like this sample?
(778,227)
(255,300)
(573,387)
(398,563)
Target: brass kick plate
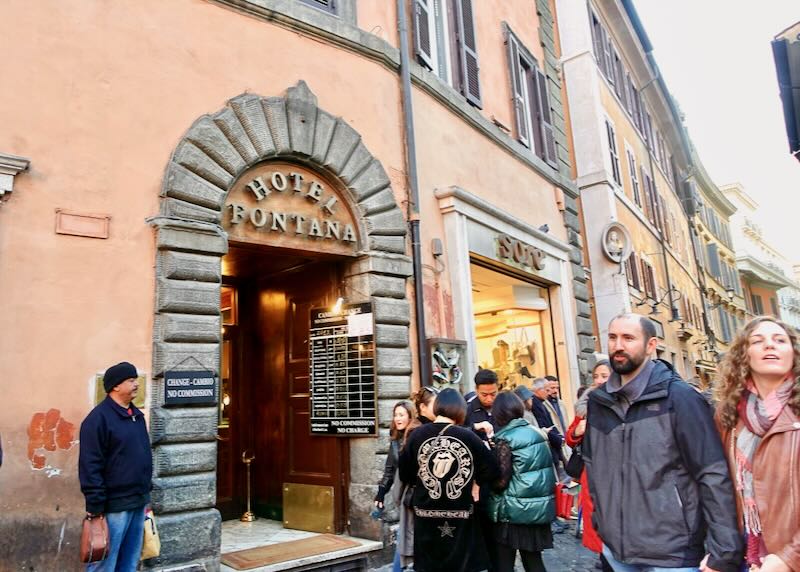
(308,507)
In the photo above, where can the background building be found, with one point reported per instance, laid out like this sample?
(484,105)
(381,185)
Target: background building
(724,305)
(761,267)
(631,158)
(786,52)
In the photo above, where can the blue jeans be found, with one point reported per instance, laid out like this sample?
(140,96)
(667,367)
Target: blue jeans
(622,567)
(126,532)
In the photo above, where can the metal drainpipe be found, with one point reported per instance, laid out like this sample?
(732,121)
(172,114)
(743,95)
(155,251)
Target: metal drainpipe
(413,202)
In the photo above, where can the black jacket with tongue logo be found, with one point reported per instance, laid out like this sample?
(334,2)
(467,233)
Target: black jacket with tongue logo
(658,478)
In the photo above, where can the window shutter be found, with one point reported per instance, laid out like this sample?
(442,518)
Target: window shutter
(618,77)
(597,40)
(467,45)
(668,219)
(634,265)
(609,64)
(423,40)
(713,260)
(545,121)
(517,77)
(653,285)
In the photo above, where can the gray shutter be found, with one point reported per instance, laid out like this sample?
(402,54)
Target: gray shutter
(467,44)
(422,33)
(713,260)
(545,121)
(514,69)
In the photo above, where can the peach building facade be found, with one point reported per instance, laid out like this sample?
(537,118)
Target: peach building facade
(184,183)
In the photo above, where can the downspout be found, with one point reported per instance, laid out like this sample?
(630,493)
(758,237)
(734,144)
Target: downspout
(413,202)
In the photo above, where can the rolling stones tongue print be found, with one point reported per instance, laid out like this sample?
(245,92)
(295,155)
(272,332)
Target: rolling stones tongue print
(445,463)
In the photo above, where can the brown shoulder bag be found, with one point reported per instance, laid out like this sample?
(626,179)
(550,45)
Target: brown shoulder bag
(94,539)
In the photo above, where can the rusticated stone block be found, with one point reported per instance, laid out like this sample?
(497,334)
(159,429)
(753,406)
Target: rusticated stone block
(356,163)
(199,163)
(182,424)
(187,328)
(342,144)
(191,240)
(301,110)
(184,492)
(181,209)
(187,296)
(387,223)
(233,129)
(373,178)
(366,465)
(184,458)
(361,525)
(586,343)
(275,112)
(581,291)
(391,336)
(383,263)
(383,200)
(585,326)
(187,536)
(395,244)
(187,266)
(181,183)
(394,386)
(323,133)
(251,115)
(185,357)
(393,361)
(206,135)
(391,311)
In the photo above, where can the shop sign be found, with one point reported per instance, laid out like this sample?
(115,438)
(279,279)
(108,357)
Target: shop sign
(342,348)
(519,252)
(190,387)
(281,204)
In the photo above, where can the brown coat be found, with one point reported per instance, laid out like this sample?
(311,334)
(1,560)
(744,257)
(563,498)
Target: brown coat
(776,475)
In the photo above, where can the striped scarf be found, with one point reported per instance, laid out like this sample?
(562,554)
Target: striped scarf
(758,416)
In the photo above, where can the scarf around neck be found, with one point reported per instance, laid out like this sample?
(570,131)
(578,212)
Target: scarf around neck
(758,416)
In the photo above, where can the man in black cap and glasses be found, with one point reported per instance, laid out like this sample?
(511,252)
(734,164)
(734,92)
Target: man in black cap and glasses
(115,468)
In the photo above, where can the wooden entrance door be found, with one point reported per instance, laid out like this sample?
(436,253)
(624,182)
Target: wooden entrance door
(280,421)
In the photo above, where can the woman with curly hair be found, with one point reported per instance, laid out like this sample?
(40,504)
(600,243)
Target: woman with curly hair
(758,415)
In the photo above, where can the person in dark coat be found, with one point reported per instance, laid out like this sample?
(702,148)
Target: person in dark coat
(402,415)
(115,468)
(443,460)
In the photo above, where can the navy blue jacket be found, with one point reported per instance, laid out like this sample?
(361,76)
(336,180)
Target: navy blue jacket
(115,465)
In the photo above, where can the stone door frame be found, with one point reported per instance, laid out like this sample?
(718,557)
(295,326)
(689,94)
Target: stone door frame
(190,243)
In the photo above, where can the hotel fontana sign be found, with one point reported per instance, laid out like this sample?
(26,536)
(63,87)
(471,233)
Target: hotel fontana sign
(285,205)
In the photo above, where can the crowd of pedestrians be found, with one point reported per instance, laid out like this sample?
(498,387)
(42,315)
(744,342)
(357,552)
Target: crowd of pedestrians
(671,478)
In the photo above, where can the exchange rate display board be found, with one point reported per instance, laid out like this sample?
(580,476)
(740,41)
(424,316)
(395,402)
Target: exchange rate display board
(342,348)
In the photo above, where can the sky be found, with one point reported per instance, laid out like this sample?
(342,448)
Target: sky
(716,59)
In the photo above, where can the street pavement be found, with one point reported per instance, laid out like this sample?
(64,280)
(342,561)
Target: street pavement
(567,555)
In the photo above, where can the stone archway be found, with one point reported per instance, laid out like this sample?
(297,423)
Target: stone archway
(186,334)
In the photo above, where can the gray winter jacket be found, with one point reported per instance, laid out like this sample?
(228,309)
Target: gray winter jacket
(658,477)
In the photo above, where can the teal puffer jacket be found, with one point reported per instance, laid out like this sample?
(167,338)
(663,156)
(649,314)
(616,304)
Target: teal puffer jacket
(530,495)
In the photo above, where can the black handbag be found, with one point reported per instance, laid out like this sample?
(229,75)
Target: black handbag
(408,496)
(574,466)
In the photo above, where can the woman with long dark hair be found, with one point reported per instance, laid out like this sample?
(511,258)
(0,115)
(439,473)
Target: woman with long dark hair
(758,414)
(443,459)
(402,415)
(522,504)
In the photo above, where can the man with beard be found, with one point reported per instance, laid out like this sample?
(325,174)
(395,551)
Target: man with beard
(655,464)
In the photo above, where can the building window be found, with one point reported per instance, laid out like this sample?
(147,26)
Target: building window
(773,304)
(632,271)
(531,102)
(327,5)
(612,152)
(649,280)
(757,305)
(637,198)
(444,42)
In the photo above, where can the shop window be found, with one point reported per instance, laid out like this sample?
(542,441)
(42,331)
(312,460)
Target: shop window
(531,102)
(513,327)
(445,43)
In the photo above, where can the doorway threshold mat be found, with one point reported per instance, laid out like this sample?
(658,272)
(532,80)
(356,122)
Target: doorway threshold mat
(283,551)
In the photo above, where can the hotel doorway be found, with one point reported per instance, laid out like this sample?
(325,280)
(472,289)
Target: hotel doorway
(264,394)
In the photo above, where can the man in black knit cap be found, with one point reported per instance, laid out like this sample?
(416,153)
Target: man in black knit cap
(115,468)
